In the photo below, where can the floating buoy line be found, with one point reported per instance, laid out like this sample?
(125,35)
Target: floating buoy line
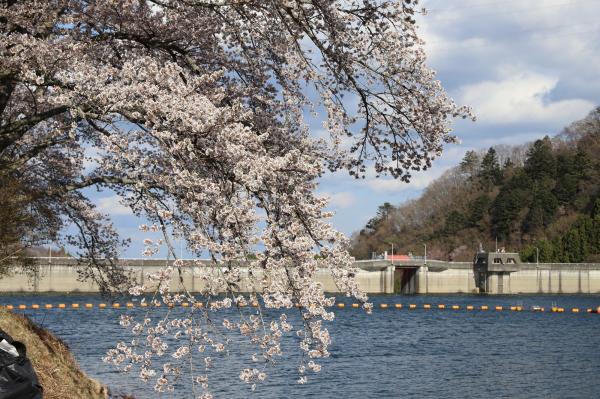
(382,306)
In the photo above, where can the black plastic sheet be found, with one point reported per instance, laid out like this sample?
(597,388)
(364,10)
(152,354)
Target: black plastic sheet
(17,377)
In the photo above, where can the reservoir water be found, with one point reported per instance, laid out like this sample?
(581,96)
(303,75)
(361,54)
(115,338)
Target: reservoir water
(391,353)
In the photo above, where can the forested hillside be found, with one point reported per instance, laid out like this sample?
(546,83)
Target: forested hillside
(542,195)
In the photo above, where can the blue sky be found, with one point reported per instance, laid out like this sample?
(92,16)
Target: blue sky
(527,68)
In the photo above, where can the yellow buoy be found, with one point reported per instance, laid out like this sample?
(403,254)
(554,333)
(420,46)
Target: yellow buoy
(144,304)
(35,306)
(116,305)
(185,304)
(575,310)
(89,306)
(426,306)
(412,306)
(383,305)
(102,305)
(355,305)
(340,305)
(198,305)
(9,307)
(484,307)
(48,306)
(499,308)
(75,305)
(130,305)
(441,306)
(455,307)
(470,307)
(22,307)
(62,306)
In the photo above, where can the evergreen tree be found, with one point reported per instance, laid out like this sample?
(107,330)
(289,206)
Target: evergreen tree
(455,221)
(490,173)
(505,210)
(547,251)
(540,162)
(572,246)
(470,164)
(383,215)
(543,251)
(478,209)
(594,234)
(542,210)
(515,195)
(570,171)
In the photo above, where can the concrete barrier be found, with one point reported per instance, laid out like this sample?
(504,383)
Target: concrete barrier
(375,277)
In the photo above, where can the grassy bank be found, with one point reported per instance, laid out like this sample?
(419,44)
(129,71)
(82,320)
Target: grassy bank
(54,364)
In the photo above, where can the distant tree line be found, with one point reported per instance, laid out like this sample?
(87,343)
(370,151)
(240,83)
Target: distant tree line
(543,195)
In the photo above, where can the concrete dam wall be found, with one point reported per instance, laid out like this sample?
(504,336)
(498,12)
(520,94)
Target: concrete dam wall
(60,275)
(545,278)
(375,277)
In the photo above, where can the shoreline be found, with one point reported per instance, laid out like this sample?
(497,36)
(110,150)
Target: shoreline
(58,372)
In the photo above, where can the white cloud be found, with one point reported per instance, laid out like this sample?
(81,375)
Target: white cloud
(112,206)
(522,98)
(418,181)
(340,200)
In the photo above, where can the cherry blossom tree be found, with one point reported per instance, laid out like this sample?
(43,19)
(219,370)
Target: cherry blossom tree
(193,111)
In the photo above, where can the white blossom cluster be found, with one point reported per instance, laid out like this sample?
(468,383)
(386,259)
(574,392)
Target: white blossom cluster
(195,114)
